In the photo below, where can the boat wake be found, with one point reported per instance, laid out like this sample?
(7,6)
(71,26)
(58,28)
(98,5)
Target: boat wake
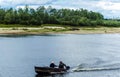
(87,67)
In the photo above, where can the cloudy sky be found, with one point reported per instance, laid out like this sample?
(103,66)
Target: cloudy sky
(109,8)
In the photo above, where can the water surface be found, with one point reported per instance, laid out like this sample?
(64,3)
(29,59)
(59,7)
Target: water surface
(19,55)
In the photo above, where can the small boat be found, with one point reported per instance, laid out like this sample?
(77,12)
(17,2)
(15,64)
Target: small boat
(50,71)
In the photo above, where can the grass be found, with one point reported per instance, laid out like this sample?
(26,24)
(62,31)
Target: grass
(16,25)
(53,28)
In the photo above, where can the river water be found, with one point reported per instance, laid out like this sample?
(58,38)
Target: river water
(97,55)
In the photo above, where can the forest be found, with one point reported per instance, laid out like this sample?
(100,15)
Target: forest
(72,17)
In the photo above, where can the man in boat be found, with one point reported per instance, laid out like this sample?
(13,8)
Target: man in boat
(62,65)
(52,65)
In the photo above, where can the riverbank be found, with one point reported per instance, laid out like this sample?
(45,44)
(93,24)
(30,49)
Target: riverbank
(58,30)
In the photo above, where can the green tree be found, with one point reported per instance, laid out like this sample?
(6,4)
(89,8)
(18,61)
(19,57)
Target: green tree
(2,14)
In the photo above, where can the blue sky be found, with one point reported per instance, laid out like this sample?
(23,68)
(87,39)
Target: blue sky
(109,8)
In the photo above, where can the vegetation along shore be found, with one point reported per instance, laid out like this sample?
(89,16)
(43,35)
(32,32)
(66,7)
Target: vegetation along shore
(50,20)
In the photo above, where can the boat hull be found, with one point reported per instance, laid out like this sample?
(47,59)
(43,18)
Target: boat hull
(49,71)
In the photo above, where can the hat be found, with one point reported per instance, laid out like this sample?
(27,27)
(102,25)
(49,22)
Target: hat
(52,61)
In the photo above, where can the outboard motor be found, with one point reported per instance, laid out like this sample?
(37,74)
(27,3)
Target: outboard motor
(67,67)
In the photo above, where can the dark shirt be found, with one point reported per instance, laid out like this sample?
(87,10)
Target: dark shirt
(62,65)
(52,65)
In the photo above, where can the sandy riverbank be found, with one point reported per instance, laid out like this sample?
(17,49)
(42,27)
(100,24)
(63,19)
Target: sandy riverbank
(59,30)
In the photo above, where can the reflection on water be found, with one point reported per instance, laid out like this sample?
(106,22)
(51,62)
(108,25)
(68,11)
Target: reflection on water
(58,75)
(26,35)
(14,36)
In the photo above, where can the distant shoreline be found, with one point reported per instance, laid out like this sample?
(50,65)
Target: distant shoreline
(59,30)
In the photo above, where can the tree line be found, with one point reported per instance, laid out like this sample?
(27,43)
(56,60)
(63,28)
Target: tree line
(41,15)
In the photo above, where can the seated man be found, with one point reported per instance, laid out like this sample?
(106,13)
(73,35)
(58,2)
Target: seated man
(52,65)
(62,65)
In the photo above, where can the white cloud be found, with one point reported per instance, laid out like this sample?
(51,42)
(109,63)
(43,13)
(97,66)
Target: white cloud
(23,6)
(108,5)
(13,3)
(110,9)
